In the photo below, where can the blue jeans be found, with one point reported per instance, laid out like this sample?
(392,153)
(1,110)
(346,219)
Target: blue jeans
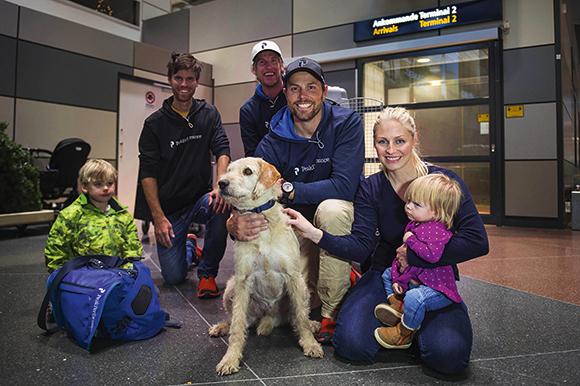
(173,260)
(444,340)
(418,300)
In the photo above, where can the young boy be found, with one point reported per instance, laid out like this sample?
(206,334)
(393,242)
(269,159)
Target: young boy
(95,223)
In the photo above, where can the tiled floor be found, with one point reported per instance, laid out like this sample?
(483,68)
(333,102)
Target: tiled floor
(523,298)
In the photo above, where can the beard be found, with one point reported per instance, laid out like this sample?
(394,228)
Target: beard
(308,115)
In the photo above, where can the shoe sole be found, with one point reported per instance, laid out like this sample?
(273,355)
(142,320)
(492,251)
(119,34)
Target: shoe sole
(387,315)
(389,346)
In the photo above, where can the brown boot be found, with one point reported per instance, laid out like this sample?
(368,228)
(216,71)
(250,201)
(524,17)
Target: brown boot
(390,313)
(398,337)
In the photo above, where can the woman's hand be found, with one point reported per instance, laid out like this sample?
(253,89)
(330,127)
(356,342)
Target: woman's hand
(303,226)
(402,258)
(247,226)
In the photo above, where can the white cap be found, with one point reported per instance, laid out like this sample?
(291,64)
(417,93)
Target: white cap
(265,45)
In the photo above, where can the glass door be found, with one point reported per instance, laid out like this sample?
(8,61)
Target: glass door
(450,91)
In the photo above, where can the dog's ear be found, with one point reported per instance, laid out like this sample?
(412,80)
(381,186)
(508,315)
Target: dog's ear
(268,174)
(267,179)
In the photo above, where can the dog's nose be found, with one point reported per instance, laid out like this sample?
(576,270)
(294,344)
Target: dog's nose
(223,184)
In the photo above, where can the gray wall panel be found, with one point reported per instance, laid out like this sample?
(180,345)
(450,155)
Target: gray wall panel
(235,137)
(531,188)
(7,65)
(8,18)
(330,39)
(43,125)
(169,31)
(538,128)
(344,79)
(155,59)
(229,99)
(223,23)
(529,75)
(339,66)
(7,114)
(74,37)
(151,58)
(311,15)
(67,78)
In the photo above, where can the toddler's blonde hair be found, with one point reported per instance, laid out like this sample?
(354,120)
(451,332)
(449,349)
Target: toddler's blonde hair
(441,193)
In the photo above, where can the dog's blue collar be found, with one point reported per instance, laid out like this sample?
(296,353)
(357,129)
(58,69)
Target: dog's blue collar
(261,208)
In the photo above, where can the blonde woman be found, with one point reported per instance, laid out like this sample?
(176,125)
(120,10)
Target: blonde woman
(445,337)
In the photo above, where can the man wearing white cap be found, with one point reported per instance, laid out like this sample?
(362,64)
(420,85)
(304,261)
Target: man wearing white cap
(256,113)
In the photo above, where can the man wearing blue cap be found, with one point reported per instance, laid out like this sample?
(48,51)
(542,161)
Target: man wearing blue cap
(256,112)
(318,148)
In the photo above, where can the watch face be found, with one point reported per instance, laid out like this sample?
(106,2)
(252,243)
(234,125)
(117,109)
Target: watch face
(287,187)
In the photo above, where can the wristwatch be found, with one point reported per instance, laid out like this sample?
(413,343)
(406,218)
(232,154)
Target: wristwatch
(287,189)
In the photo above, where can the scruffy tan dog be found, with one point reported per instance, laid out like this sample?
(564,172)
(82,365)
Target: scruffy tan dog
(267,287)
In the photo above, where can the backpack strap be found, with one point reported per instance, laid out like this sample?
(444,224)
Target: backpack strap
(99,261)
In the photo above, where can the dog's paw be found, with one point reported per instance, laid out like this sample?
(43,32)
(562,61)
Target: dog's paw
(265,326)
(313,350)
(220,329)
(314,326)
(228,366)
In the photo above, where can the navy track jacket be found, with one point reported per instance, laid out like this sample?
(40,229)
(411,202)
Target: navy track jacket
(327,166)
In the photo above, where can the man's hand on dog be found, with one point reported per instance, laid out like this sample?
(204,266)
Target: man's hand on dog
(247,226)
(219,205)
(303,226)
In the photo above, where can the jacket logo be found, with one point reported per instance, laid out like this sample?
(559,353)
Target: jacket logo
(181,141)
(296,170)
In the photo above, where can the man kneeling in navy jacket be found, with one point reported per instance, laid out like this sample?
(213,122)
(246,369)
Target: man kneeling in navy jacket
(318,148)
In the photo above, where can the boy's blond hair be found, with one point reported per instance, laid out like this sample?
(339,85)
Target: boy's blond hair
(97,170)
(441,193)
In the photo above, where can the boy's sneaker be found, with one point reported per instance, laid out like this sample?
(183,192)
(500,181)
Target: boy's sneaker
(207,288)
(327,327)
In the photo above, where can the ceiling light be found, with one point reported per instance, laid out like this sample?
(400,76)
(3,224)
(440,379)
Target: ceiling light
(423,60)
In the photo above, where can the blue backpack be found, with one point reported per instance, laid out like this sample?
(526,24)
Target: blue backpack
(92,295)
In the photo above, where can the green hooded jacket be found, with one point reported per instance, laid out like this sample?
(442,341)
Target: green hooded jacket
(82,229)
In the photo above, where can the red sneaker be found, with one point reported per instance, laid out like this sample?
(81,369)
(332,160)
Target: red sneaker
(327,327)
(207,288)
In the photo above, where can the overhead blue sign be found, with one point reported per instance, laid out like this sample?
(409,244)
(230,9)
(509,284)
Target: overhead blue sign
(428,19)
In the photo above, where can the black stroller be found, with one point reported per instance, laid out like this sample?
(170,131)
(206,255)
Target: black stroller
(59,171)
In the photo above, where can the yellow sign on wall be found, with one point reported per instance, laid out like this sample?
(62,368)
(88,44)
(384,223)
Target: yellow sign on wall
(483,117)
(514,111)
